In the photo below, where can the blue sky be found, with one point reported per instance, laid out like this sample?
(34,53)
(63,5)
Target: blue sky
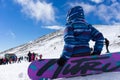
(22,21)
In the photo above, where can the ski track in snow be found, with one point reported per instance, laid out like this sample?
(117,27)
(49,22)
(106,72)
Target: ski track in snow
(51,46)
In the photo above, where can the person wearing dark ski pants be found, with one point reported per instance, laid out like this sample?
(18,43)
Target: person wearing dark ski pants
(107,45)
(77,35)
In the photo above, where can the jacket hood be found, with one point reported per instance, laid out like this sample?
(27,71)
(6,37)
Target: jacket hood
(76,12)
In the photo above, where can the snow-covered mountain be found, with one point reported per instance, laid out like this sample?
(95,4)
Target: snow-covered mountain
(44,45)
(50,46)
(53,43)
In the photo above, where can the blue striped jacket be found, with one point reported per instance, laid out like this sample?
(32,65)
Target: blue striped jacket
(77,36)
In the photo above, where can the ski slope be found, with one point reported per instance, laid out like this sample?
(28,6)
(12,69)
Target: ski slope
(18,71)
(50,46)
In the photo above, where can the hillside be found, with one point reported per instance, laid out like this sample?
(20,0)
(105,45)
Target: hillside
(40,45)
(53,43)
(51,46)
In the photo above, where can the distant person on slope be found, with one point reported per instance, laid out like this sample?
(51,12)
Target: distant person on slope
(29,56)
(107,45)
(77,35)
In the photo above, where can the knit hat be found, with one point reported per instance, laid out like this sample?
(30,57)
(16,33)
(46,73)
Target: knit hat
(75,13)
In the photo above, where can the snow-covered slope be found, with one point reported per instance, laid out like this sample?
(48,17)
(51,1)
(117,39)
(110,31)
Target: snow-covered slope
(53,43)
(46,45)
(51,46)
(112,33)
(16,71)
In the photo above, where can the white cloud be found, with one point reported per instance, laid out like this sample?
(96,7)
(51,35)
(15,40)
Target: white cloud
(55,27)
(38,10)
(109,14)
(97,1)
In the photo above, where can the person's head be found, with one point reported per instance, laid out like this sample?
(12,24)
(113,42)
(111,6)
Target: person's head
(76,12)
(105,39)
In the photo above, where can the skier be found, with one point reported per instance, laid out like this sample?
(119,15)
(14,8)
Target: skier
(107,44)
(77,35)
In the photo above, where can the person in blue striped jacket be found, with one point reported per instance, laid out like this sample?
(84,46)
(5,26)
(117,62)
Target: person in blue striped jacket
(77,35)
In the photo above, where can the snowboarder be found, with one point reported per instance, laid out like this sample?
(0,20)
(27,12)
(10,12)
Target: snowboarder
(107,45)
(77,35)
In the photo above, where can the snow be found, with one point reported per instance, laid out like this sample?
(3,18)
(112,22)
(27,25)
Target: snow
(50,46)
(15,71)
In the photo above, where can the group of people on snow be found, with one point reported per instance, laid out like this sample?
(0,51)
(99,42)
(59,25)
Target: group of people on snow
(12,58)
(33,56)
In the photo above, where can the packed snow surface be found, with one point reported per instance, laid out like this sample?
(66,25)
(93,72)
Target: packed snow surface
(50,46)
